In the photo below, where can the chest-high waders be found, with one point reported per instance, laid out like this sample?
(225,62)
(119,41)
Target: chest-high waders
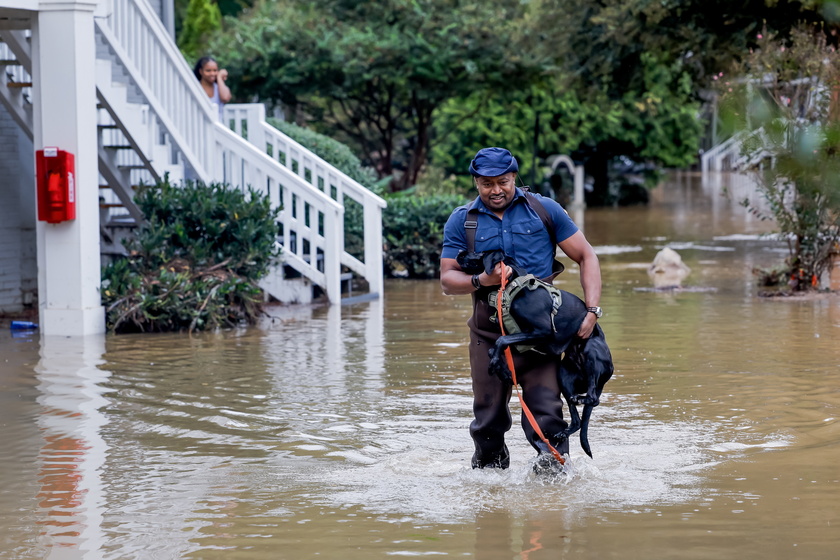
(537,375)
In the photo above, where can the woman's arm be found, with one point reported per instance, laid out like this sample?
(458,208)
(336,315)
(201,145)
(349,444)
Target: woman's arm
(224,91)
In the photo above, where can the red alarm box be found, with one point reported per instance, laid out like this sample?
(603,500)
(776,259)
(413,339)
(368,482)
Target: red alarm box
(56,174)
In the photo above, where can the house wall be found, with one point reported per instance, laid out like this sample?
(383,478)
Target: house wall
(18,256)
(165,9)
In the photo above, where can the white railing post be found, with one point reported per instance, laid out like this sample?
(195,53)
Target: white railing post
(333,226)
(373,247)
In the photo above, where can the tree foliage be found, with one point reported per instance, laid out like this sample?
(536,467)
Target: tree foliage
(409,81)
(658,123)
(375,72)
(202,20)
(646,65)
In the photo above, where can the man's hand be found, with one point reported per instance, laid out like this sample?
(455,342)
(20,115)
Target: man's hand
(588,325)
(495,277)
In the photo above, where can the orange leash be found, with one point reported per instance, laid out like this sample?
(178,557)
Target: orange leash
(509,359)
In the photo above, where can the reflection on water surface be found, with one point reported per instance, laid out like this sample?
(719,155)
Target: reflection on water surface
(343,430)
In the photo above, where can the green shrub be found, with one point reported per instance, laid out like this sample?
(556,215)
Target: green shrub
(413,233)
(194,265)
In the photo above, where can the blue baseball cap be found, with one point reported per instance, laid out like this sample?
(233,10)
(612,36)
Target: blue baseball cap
(492,162)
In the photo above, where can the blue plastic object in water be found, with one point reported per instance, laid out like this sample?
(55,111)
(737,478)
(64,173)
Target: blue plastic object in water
(23,325)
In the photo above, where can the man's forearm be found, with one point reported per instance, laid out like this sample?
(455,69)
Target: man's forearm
(457,283)
(590,280)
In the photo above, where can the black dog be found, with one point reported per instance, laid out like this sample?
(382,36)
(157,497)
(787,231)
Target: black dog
(586,364)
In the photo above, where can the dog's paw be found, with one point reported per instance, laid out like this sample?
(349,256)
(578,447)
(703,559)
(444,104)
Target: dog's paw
(498,368)
(585,399)
(567,433)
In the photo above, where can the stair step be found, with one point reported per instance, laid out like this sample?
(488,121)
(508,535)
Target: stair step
(108,126)
(138,166)
(118,147)
(111,205)
(10,62)
(19,84)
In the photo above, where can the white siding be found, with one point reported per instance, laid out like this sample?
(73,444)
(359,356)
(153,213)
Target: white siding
(18,259)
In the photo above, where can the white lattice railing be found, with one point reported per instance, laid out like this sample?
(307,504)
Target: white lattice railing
(312,234)
(730,155)
(312,217)
(145,49)
(714,158)
(248,121)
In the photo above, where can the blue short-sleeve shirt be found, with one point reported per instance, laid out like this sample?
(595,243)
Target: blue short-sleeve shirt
(520,233)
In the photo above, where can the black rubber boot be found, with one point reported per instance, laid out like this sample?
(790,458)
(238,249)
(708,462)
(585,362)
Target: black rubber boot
(546,464)
(500,460)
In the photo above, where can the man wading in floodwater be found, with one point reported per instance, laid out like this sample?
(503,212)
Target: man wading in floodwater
(506,220)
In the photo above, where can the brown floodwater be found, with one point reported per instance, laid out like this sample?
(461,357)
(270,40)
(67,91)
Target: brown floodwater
(342,432)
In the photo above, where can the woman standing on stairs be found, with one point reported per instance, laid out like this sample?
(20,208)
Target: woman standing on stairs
(212,81)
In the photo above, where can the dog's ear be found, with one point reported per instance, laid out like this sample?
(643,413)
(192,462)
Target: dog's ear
(471,263)
(491,259)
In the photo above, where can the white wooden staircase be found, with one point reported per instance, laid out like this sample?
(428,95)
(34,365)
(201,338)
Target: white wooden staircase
(154,120)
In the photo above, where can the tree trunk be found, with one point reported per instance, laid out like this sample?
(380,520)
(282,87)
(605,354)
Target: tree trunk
(597,167)
(421,148)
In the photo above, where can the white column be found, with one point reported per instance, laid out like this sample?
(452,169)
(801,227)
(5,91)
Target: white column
(64,90)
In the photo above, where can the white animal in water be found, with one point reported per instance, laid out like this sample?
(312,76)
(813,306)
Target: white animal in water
(668,270)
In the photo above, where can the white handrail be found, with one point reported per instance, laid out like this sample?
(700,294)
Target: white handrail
(713,157)
(311,220)
(248,121)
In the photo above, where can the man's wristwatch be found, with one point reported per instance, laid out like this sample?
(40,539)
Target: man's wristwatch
(596,310)
(476,282)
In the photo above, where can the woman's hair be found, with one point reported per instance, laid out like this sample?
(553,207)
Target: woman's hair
(200,64)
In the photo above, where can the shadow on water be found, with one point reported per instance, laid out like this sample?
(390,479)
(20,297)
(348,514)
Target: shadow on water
(343,430)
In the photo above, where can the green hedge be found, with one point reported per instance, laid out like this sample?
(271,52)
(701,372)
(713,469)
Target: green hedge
(195,264)
(412,227)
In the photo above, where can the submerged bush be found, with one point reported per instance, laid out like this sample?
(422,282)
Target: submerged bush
(195,263)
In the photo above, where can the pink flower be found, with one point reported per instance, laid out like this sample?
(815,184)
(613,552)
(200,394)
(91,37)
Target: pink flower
(760,36)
